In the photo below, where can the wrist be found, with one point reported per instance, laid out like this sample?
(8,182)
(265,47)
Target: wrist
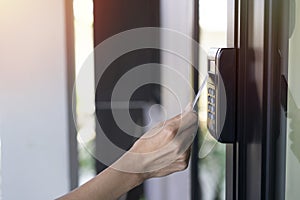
(122,182)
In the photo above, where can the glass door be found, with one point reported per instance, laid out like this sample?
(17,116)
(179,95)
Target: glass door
(211,154)
(292,150)
(216,28)
(264,161)
(293,125)
(266,154)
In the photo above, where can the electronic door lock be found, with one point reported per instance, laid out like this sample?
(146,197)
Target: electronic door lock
(221,94)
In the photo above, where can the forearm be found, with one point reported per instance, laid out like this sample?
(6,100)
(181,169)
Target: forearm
(109,185)
(117,182)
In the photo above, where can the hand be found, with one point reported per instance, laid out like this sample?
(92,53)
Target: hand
(164,149)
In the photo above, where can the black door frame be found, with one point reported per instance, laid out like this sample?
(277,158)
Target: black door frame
(232,42)
(255,164)
(262,60)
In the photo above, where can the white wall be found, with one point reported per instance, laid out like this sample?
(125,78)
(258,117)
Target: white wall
(33,99)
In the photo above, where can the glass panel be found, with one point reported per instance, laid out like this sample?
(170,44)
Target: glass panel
(213,33)
(293,122)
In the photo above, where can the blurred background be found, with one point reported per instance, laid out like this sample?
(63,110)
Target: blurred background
(44,44)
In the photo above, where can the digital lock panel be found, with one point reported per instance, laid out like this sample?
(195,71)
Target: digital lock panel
(221,94)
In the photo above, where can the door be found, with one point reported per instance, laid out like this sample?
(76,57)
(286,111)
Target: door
(292,143)
(265,100)
(263,161)
(283,145)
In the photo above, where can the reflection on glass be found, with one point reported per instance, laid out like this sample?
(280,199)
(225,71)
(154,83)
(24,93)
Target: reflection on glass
(213,33)
(293,122)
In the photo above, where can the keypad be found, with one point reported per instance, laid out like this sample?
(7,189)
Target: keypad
(211,113)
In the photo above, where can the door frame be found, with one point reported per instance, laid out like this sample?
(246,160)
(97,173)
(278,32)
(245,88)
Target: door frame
(255,164)
(261,123)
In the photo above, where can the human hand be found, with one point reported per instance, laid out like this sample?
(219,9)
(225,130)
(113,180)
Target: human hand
(164,149)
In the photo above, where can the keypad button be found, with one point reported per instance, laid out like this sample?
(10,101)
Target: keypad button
(212,92)
(210,116)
